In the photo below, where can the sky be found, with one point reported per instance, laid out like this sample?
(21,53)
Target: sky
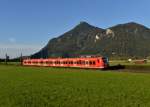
(26,26)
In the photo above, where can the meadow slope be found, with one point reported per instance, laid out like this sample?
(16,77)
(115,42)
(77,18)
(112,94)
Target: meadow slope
(60,87)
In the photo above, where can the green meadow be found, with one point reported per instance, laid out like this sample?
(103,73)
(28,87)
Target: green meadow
(64,87)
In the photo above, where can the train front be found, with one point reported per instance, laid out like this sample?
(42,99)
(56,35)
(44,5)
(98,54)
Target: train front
(105,62)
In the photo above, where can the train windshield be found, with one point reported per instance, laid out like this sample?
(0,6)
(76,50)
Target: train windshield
(105,60)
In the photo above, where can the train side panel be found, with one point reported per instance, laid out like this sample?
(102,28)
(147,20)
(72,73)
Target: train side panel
(99,62)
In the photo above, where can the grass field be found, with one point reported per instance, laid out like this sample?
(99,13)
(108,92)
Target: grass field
(60,87)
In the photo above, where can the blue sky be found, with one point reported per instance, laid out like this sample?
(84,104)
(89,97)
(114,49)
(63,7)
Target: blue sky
(27,25)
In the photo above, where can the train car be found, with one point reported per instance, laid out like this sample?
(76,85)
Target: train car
(92,62)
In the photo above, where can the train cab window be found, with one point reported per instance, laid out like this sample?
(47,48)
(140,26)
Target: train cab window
(105,60)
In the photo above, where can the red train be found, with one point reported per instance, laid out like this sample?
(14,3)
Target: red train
(91,62)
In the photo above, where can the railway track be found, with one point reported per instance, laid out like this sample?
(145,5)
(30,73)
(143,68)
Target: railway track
(130,68)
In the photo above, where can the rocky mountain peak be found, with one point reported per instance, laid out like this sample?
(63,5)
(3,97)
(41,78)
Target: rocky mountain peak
(126,40)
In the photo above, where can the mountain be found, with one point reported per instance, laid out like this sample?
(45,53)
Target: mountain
(123,40)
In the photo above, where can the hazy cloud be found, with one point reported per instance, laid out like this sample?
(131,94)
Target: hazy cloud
(12,40)
(14,50)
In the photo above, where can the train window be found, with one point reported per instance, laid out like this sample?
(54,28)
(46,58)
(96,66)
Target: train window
(50,62)
(71,62)
(80,62)
(90,62)
(83,62)
(94,63)
(86,62)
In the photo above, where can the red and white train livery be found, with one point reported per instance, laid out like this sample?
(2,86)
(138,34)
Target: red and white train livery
(92,62)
